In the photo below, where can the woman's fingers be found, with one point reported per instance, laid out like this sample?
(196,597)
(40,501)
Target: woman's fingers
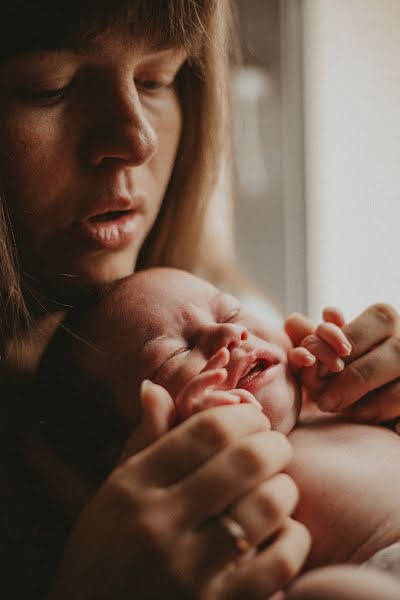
(361,376)
(158,417)
(270,570)
(231,474)
(379,406)
(262,511)
(376,324)
(196,441)
(260,514)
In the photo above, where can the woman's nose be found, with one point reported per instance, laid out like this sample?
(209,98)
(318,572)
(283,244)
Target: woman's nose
(226,335)
(122,133)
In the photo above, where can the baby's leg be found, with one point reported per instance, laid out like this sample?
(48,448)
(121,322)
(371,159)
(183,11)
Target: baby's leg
(345,583)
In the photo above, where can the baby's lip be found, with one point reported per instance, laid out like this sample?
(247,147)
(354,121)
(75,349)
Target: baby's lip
(243,369)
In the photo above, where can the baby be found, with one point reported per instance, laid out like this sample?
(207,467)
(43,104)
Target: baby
(205,349)
(180,332)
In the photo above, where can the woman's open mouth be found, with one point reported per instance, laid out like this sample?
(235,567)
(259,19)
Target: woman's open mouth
(111,229)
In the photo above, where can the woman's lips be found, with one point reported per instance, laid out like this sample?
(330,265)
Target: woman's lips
(112,229)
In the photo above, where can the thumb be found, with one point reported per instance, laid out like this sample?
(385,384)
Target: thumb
(158,417)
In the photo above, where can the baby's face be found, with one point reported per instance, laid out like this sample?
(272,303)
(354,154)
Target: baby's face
(165,324)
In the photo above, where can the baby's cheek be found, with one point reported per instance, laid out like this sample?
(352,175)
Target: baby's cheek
(173,377)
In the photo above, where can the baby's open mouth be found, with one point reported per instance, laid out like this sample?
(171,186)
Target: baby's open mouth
(253,371)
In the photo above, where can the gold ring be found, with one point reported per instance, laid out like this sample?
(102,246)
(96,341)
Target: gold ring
(236,533)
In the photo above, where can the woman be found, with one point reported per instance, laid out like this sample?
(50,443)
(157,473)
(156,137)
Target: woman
(112,129)
(113,125)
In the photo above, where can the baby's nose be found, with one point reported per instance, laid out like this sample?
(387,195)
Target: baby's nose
(229,335)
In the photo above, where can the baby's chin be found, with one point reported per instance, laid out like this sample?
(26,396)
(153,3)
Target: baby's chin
(281,402)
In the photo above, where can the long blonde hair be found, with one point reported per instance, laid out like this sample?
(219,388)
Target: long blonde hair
(204,28)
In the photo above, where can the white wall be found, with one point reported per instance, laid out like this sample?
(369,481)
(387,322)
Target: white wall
(352,152)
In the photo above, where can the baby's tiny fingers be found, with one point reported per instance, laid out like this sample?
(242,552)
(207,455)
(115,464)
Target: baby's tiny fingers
(331,314)
(246,397)
(335,338)
(196,387)
(299,358)
(201,382)
(324,354)
(218,360)
(297,327)
(212,399)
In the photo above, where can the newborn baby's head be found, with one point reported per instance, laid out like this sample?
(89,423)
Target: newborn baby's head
(164,324)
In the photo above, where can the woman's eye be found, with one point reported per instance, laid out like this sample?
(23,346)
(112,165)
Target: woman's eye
(152,85)
(46,96)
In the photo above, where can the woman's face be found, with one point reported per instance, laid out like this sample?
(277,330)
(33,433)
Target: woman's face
(88,142)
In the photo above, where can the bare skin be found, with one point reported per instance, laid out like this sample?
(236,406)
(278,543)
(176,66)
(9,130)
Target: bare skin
(344,583)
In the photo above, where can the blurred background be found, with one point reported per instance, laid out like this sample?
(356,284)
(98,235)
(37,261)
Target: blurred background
(317,151)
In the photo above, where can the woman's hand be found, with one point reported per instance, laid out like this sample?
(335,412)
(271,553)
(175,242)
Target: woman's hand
(368,387)
(153,529)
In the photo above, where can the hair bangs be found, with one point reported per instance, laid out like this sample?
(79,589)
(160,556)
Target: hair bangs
(27,26)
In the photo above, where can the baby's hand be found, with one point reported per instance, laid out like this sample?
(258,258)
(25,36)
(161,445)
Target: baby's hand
(318,354)
(160,413)
(203,390)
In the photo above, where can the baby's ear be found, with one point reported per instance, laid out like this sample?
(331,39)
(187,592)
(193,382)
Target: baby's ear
(158,417)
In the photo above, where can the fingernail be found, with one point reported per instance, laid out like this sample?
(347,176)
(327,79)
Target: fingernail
(338,365)
(309,359)
(345,349)
(145,385)
(258,405)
